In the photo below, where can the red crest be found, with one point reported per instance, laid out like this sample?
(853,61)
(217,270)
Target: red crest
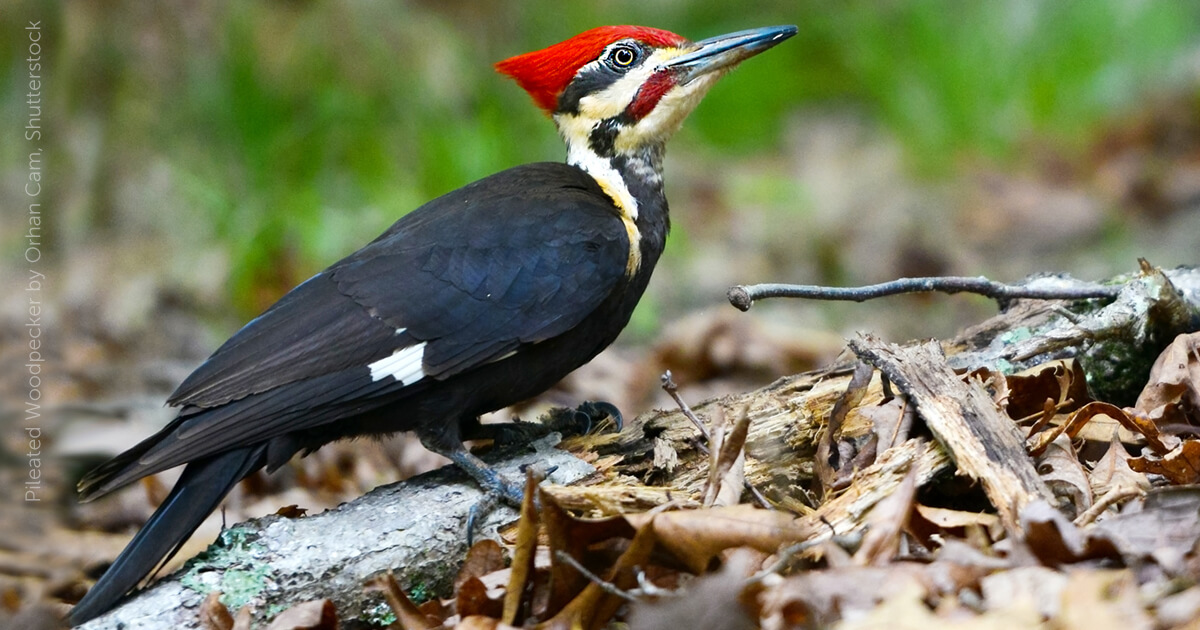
(545,73)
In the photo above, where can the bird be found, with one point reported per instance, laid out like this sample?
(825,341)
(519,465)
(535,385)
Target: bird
(476,300)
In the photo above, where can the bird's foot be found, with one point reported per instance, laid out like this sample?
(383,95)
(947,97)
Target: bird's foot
(584,418)
(496,488)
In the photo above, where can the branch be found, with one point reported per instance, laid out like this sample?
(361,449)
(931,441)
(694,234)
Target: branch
(743,296)
(415,528)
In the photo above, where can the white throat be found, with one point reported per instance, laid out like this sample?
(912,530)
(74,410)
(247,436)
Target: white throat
(602,170)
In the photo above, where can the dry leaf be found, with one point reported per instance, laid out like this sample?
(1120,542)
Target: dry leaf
(471,598)
(1102,600)
(727,459)
(1062,381)
(954,519)
(574,536)
(826,461)
(484,557)
(886,521)
(593,605)
(1112,471)
(319,614)
(1174,379)
(291,511)
(1166,528)
(479,622)
(888,421)
(1024,588)
(1131,421)
(406,613)
(696,536)
(213,614)
(516,603)
(1181,466)
(1064,475)
(1051,537)
(818,599)
(907,610)
(710,601)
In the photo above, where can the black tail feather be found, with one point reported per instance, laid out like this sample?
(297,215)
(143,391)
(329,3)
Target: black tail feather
(200,489)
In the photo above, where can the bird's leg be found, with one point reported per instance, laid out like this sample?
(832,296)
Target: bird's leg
(489,480)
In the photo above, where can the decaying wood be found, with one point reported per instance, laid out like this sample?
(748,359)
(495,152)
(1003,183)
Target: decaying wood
(1116,341)
(983,442)
(415,527)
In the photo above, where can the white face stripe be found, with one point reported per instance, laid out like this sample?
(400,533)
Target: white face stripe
(404,365)
(653,129)
(601,169)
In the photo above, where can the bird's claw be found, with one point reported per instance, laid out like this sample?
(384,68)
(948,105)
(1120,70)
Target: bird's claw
(498,488)
(584,418)
(596,410)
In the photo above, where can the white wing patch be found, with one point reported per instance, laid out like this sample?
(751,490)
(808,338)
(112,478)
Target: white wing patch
(404,365)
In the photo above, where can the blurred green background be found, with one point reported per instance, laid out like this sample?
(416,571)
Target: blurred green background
(231,149)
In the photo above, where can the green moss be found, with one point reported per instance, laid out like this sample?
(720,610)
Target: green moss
(242,575)
(379,614)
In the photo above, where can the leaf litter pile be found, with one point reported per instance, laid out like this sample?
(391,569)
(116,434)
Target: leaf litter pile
(895,492)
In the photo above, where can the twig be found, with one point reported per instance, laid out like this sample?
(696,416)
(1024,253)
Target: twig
(1110,498)
(671,388)
(668,384)
(849,540)
(743,296)
(607,587)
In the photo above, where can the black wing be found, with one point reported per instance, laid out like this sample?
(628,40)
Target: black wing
(516,258)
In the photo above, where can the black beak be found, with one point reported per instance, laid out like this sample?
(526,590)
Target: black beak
(725,51)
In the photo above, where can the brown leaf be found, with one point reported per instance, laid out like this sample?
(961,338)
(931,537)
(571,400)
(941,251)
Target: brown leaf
(594,607)
(574,536)
(907,609)
(471,598)
(888,421)
(727,466)
(1050,535)
(827,465)
(213,614)
(479,622)
(696,536)
(1062,381)
(243,619)
(886,521)
(291,511)
(1131,421)
(1175,377)
(1167,527)
(407,614)
(818,599)
(710,601)
(1059,467)
(1037,589)
(515,598)
(319,614)
(1181,466)
(955,519)
(484,557)
(1103,600)
(1112,470)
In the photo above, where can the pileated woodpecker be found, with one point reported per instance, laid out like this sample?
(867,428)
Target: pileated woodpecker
(477,300)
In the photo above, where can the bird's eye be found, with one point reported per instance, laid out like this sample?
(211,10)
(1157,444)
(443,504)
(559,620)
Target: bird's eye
(622,56)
